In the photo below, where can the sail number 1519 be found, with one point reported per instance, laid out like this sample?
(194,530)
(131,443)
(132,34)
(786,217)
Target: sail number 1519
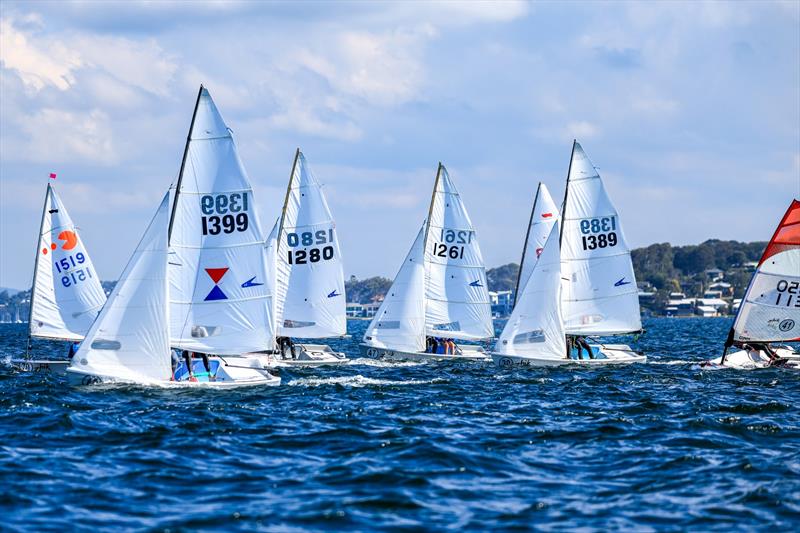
(599,232)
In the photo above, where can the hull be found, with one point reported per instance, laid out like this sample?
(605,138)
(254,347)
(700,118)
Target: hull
(57,366)
(608,354)
(227,373)
(307,355)
(468,353)
(752,359)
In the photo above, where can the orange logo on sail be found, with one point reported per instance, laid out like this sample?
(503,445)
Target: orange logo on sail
(70,239)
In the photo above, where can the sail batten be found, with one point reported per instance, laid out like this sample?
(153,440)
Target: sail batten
(66,293)
(599,296)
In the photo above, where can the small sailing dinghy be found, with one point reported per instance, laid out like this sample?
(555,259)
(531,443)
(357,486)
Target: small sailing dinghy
(770,310)
(534,334)
(439,294)
(220,294)
(130,340)
(66,294)
(599,296)
(309,276)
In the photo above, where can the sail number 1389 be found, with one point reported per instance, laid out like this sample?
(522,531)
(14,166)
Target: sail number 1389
(599,232)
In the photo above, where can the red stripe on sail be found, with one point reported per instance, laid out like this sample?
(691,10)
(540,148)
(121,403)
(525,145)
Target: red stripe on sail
(787,235)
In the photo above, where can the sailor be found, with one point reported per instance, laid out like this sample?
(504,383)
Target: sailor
(450,346)
(188,356)
(176,361)
(283,344)
(774,358)
(73,349)
(580,344)
(434,345)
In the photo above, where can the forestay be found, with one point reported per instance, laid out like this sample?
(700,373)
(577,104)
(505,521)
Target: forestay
(220,297)
(399,323)
(536,328)
(457,301)
(66,294)
(600,296)
(130,338)
(770,310)
(309,290)
(544,215)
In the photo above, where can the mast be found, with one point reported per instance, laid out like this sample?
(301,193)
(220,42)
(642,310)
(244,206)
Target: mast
(566,193)
(525,246)
(430,208)
(36,269)
(183,165)
(288,192)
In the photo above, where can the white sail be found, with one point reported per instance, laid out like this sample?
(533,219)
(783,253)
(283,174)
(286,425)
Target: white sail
(536,327)
(600,296)
(220,297)
(309,290)
(66,294)
(399,323)
(457,303)
(770,310)
(543,216)
(130,338)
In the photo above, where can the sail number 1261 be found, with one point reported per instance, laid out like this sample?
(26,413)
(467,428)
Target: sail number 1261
(599,232)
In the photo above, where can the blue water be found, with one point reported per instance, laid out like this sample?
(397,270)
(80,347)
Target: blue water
(661,446)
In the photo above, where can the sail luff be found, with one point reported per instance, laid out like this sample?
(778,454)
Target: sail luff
(36,264)
(566,193)
(183,163)
(525,244)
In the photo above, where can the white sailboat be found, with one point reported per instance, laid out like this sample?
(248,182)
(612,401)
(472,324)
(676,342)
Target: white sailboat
(534,334)
(220,297)
(440,291)
(770,310)
(130,340)
(544,216)
(66,293)
(599,295)
(309,276)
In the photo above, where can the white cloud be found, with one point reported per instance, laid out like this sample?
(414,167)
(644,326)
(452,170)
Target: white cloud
(60,136)
(580,130)
(38,60)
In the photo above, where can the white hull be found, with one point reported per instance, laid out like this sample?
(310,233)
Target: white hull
(611,354)
(468,353)
(752,359)
(57,366)
(232,372)
(308,355)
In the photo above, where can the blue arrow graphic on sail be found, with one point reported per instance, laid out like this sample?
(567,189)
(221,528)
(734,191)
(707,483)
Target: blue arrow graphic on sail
(332,294)
(476,283)
(250,283)
(622,282)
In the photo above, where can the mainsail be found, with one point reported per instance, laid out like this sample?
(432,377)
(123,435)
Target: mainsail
(600,296)
(309,289)
(399,323)
(544,215)
(770,310)
(66,294)
(130,338)
(536,327)
(457,303)
(220,297)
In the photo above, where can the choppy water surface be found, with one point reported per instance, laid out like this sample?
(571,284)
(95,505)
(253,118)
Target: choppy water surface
(408,446)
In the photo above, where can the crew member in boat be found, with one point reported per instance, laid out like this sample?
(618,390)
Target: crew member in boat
(430,345)
(579,343)
(188,356)
(73,349)
(175,361)
(766,348)
(285,343)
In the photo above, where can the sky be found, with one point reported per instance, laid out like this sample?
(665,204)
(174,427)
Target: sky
(690,111)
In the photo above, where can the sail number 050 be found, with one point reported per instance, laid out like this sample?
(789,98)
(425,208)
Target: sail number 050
(227,213)
(599,232)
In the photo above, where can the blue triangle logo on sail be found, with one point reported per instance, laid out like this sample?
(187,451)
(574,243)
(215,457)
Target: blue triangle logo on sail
(216,294)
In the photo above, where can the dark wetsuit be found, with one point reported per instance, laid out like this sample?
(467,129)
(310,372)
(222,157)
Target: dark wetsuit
(286,342)
(188,356)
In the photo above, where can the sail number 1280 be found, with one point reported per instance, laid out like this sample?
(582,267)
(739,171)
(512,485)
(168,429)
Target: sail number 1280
(225,213)
(599,232)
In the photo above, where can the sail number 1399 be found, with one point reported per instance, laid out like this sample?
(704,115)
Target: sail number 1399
(599,232)
(225,213)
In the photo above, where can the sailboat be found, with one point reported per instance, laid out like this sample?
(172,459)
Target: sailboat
(439,292)
(130,340)
(770,310)
(66,293)
(309,277)
(599,296)
(544,215)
